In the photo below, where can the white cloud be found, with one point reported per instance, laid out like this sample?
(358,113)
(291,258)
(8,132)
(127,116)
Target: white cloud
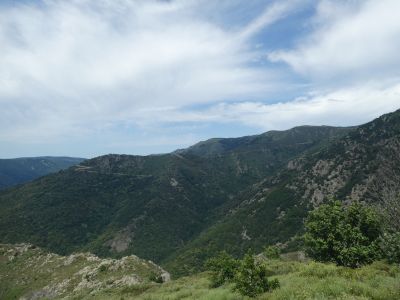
(350,41)
(344,107)
(72,65)
(271,14)
(94,71)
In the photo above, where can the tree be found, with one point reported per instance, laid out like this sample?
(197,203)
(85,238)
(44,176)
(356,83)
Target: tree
(390,245)
(272,252)
(223,268)
(251,278)
(390,210)
(347,236)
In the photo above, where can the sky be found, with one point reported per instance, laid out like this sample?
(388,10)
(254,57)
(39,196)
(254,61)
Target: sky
(90,77)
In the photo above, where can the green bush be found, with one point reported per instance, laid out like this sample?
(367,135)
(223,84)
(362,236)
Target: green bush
(103,268)
(347,236)
(272,252)
(390,245)
(251,279)
(157,278)
(223,268)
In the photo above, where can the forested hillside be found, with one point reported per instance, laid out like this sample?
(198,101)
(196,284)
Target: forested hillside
(178,209)
(20,170)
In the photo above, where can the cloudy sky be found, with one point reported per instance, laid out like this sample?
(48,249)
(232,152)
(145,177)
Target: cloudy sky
(91,77)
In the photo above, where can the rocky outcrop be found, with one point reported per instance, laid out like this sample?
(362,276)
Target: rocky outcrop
(27,268)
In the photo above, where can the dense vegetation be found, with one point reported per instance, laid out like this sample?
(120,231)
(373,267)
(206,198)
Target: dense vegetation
(251,278)
(364,165)
(180,209)
(183,208)
(223,268)
(20,170)
(248,275)
(345,235)
(151,206)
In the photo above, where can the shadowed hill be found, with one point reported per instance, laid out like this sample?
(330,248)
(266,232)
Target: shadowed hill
(20,170)
(151,206)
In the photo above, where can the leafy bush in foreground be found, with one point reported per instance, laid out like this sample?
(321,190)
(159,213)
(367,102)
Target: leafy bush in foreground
(347,236)
(390,241)
(251,278)
(223,268)
(390,245)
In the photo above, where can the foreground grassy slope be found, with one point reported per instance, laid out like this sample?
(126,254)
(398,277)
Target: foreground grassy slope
(26,271)
(298,281)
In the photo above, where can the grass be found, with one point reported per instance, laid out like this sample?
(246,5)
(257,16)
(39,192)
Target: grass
(325,281)
(32,270)
(193,287)
(299,280)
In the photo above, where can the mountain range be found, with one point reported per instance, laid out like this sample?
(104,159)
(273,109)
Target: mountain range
(20,170)
(180,208)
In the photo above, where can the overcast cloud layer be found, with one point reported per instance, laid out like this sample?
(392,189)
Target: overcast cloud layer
(89,77)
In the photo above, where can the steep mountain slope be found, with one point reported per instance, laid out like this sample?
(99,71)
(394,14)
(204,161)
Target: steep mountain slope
(20,170)
(363,165)
(149,206)
(28,272)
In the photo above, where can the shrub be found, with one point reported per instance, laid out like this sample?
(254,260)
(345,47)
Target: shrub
(157,278)
(390,241)
(272,252)
(103,268)
(222,267)
(390,245)
(347,236)
(251,279)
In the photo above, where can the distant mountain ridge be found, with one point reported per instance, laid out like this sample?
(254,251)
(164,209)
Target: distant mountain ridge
(363,165)
(15,171)
(220,146)
(178,209)
(147,205)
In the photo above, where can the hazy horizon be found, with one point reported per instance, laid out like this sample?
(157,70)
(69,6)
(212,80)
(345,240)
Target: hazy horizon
(162,153)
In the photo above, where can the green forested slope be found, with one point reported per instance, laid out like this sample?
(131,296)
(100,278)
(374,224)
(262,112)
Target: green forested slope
(363,165)
(181,208)
(150,206)
(20,170)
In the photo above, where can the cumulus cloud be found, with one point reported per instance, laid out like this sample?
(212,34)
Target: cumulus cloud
(349,40)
